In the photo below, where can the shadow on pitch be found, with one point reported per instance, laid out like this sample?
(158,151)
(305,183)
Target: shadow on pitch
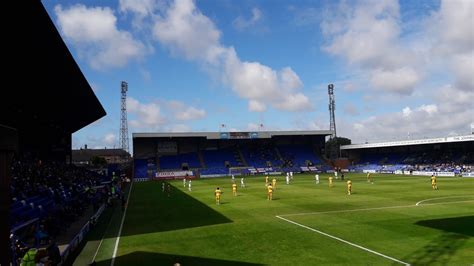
(151,210)
(459,225)
(441,249)
(148,258)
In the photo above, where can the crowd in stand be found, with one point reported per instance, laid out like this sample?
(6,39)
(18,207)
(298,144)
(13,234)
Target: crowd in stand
(436,161)
(440,167)
(47,197)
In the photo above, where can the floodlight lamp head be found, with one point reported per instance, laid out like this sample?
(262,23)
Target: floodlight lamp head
(330,88)
(124,86)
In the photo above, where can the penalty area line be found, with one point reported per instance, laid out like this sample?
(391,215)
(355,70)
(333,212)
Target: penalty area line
(342,240)
(452,197)
(121,226)
(376,208)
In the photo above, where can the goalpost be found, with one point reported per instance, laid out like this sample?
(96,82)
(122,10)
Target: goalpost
(237,170)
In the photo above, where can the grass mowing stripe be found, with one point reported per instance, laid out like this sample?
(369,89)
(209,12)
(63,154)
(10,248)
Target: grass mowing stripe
(377,208)
(189,228)
(121,226)
(342,240)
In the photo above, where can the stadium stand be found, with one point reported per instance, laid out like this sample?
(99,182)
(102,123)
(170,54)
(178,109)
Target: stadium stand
(180,161)
(219,158)
(260,155)
(140,168)
(299,155)
(49,197)
(224,153)
(39,122)
(450,154)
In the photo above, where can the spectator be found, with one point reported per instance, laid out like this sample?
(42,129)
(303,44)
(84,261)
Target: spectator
(53,253)
(30,258)
(40,235)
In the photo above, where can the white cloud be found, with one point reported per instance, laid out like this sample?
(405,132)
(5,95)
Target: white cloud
(94,33)
(293,102)
(351,109)
(452,112)
(184,112)
(191,113)
(110,139)
(430,109)
(189,33)
(367,36)
(140,7)
(147,115)
(401,81)
(453,30)
(374,42)
(406,112)
(349,87)
(162,115)
(256,106)
(141,10)
(180,128)
(454,26)
(463,68)
(453,100)
(186,31)
(302,123)
(395,126)
(241,23)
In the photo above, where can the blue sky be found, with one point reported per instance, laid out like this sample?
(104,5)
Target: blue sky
(400,68)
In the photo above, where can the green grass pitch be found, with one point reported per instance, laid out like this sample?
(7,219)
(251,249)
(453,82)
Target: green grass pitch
(305,224)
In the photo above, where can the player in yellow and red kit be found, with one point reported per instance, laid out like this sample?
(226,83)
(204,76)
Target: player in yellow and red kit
(269,192)
(218,194)
(349,187)
(433,183)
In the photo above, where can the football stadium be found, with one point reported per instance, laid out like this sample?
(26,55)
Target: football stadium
(225,196)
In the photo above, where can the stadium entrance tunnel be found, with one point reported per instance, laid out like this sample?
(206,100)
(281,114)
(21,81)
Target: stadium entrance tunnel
(151,210)
(149,258)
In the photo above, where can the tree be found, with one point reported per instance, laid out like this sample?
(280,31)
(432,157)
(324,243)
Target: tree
(333,146)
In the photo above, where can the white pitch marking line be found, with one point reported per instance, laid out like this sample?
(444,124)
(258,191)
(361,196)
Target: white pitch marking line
(369,209)
(100,244)
(98,247)
(453,197)
(350,210)
(342,240)
(121,226)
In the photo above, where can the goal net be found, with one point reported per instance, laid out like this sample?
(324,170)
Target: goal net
(241,170)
